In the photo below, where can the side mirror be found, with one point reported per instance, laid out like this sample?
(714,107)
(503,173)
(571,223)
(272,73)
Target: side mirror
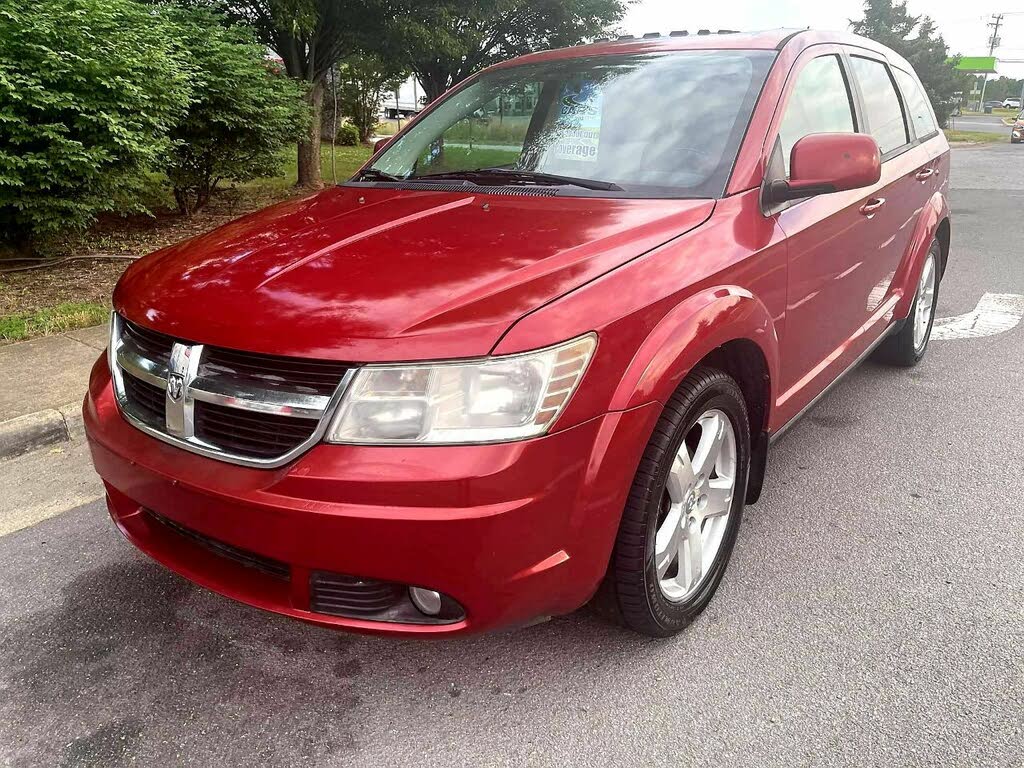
(829,162)
(379,144)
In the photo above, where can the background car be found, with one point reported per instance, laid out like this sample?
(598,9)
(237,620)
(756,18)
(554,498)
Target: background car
(1011,103)
(1017,131)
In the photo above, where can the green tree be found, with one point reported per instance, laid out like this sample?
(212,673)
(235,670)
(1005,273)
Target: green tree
(363,81)
(446,41)
(889,23)
(311,36)
(89,90)
(1003,87)
(242,112)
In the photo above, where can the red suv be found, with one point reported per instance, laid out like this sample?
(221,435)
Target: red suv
(534,353)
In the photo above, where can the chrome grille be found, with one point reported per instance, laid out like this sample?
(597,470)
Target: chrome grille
(247,408)
(307,376)
(149,344)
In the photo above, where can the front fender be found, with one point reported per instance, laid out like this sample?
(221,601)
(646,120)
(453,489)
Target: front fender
(687,334)
(909,271)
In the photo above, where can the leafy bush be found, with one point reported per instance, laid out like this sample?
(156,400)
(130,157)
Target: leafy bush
(348,135)
(88,92)
(242,113)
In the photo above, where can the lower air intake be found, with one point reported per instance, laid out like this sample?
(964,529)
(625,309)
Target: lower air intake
(337,595)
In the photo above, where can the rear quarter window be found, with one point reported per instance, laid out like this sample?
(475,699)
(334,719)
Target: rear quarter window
(881,104)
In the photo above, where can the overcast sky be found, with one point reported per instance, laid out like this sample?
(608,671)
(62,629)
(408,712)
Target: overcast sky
(961,22)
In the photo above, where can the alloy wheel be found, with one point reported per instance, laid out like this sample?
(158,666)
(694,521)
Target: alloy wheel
(696,505)
(925,303)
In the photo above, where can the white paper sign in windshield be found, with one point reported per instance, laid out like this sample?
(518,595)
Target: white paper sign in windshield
(578,126)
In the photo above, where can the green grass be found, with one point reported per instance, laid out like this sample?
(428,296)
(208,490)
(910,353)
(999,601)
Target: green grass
(983,137)
(1000,112)
(462,158)
(44,322)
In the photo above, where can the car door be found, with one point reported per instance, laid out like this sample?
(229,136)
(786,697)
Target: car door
(908,168)
(839,244)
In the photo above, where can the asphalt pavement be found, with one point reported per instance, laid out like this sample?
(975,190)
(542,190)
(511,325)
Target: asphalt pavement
(872,613)
(985,123)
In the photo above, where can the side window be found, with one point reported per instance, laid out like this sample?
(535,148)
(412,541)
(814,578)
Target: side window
(881,104)
(917,104)
(820,103)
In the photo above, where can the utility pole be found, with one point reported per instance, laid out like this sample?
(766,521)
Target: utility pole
(993,43)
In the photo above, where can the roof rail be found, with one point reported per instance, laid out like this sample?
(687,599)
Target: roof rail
(678,33)
(703,31)
(624,37)
(649,35)
(787,38)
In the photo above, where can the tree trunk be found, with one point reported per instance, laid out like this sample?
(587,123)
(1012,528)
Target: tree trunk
(309,150)
(181,197)
(433,87)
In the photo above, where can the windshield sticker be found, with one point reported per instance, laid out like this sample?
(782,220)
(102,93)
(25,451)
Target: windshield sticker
(578,126)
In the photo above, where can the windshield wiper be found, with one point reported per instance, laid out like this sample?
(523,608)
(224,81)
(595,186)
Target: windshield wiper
(535,177)
(372,174)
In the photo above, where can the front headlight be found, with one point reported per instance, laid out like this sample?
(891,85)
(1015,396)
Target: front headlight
(482,401)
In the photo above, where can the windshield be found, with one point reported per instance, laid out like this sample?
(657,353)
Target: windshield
(653,125)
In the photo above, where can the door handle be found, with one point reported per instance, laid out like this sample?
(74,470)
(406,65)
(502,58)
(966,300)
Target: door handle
(924,173)
(872,205)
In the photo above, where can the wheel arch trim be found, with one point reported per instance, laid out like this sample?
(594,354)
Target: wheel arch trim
(934,214)
(690,332)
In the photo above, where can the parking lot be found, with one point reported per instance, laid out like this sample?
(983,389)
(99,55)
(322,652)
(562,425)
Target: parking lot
(871,614)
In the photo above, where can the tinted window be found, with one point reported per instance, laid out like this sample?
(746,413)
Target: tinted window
(656,125)
(917,104)
(881,104)
(820,103)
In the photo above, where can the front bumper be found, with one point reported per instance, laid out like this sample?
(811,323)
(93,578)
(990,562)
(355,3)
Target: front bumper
(513,532)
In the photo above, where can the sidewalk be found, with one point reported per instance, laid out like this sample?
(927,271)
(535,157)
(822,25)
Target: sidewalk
(42,383)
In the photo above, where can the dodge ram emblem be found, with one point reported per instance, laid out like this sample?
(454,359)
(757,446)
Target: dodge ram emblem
(175,387)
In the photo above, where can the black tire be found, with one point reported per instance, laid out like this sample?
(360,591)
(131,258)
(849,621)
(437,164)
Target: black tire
(630,592)
(900,349)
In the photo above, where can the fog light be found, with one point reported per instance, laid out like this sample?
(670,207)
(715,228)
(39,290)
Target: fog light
(426,600)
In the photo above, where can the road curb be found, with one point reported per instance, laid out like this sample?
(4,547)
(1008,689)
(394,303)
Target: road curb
(40,429)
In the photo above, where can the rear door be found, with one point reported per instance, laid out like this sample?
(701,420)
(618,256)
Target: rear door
(907,170)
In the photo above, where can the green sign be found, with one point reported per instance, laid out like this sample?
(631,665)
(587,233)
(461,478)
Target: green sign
(977,64)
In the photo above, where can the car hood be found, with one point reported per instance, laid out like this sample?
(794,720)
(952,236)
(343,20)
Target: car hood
(368,274)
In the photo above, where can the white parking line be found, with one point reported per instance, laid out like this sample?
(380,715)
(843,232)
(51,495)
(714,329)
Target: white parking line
(995,313)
